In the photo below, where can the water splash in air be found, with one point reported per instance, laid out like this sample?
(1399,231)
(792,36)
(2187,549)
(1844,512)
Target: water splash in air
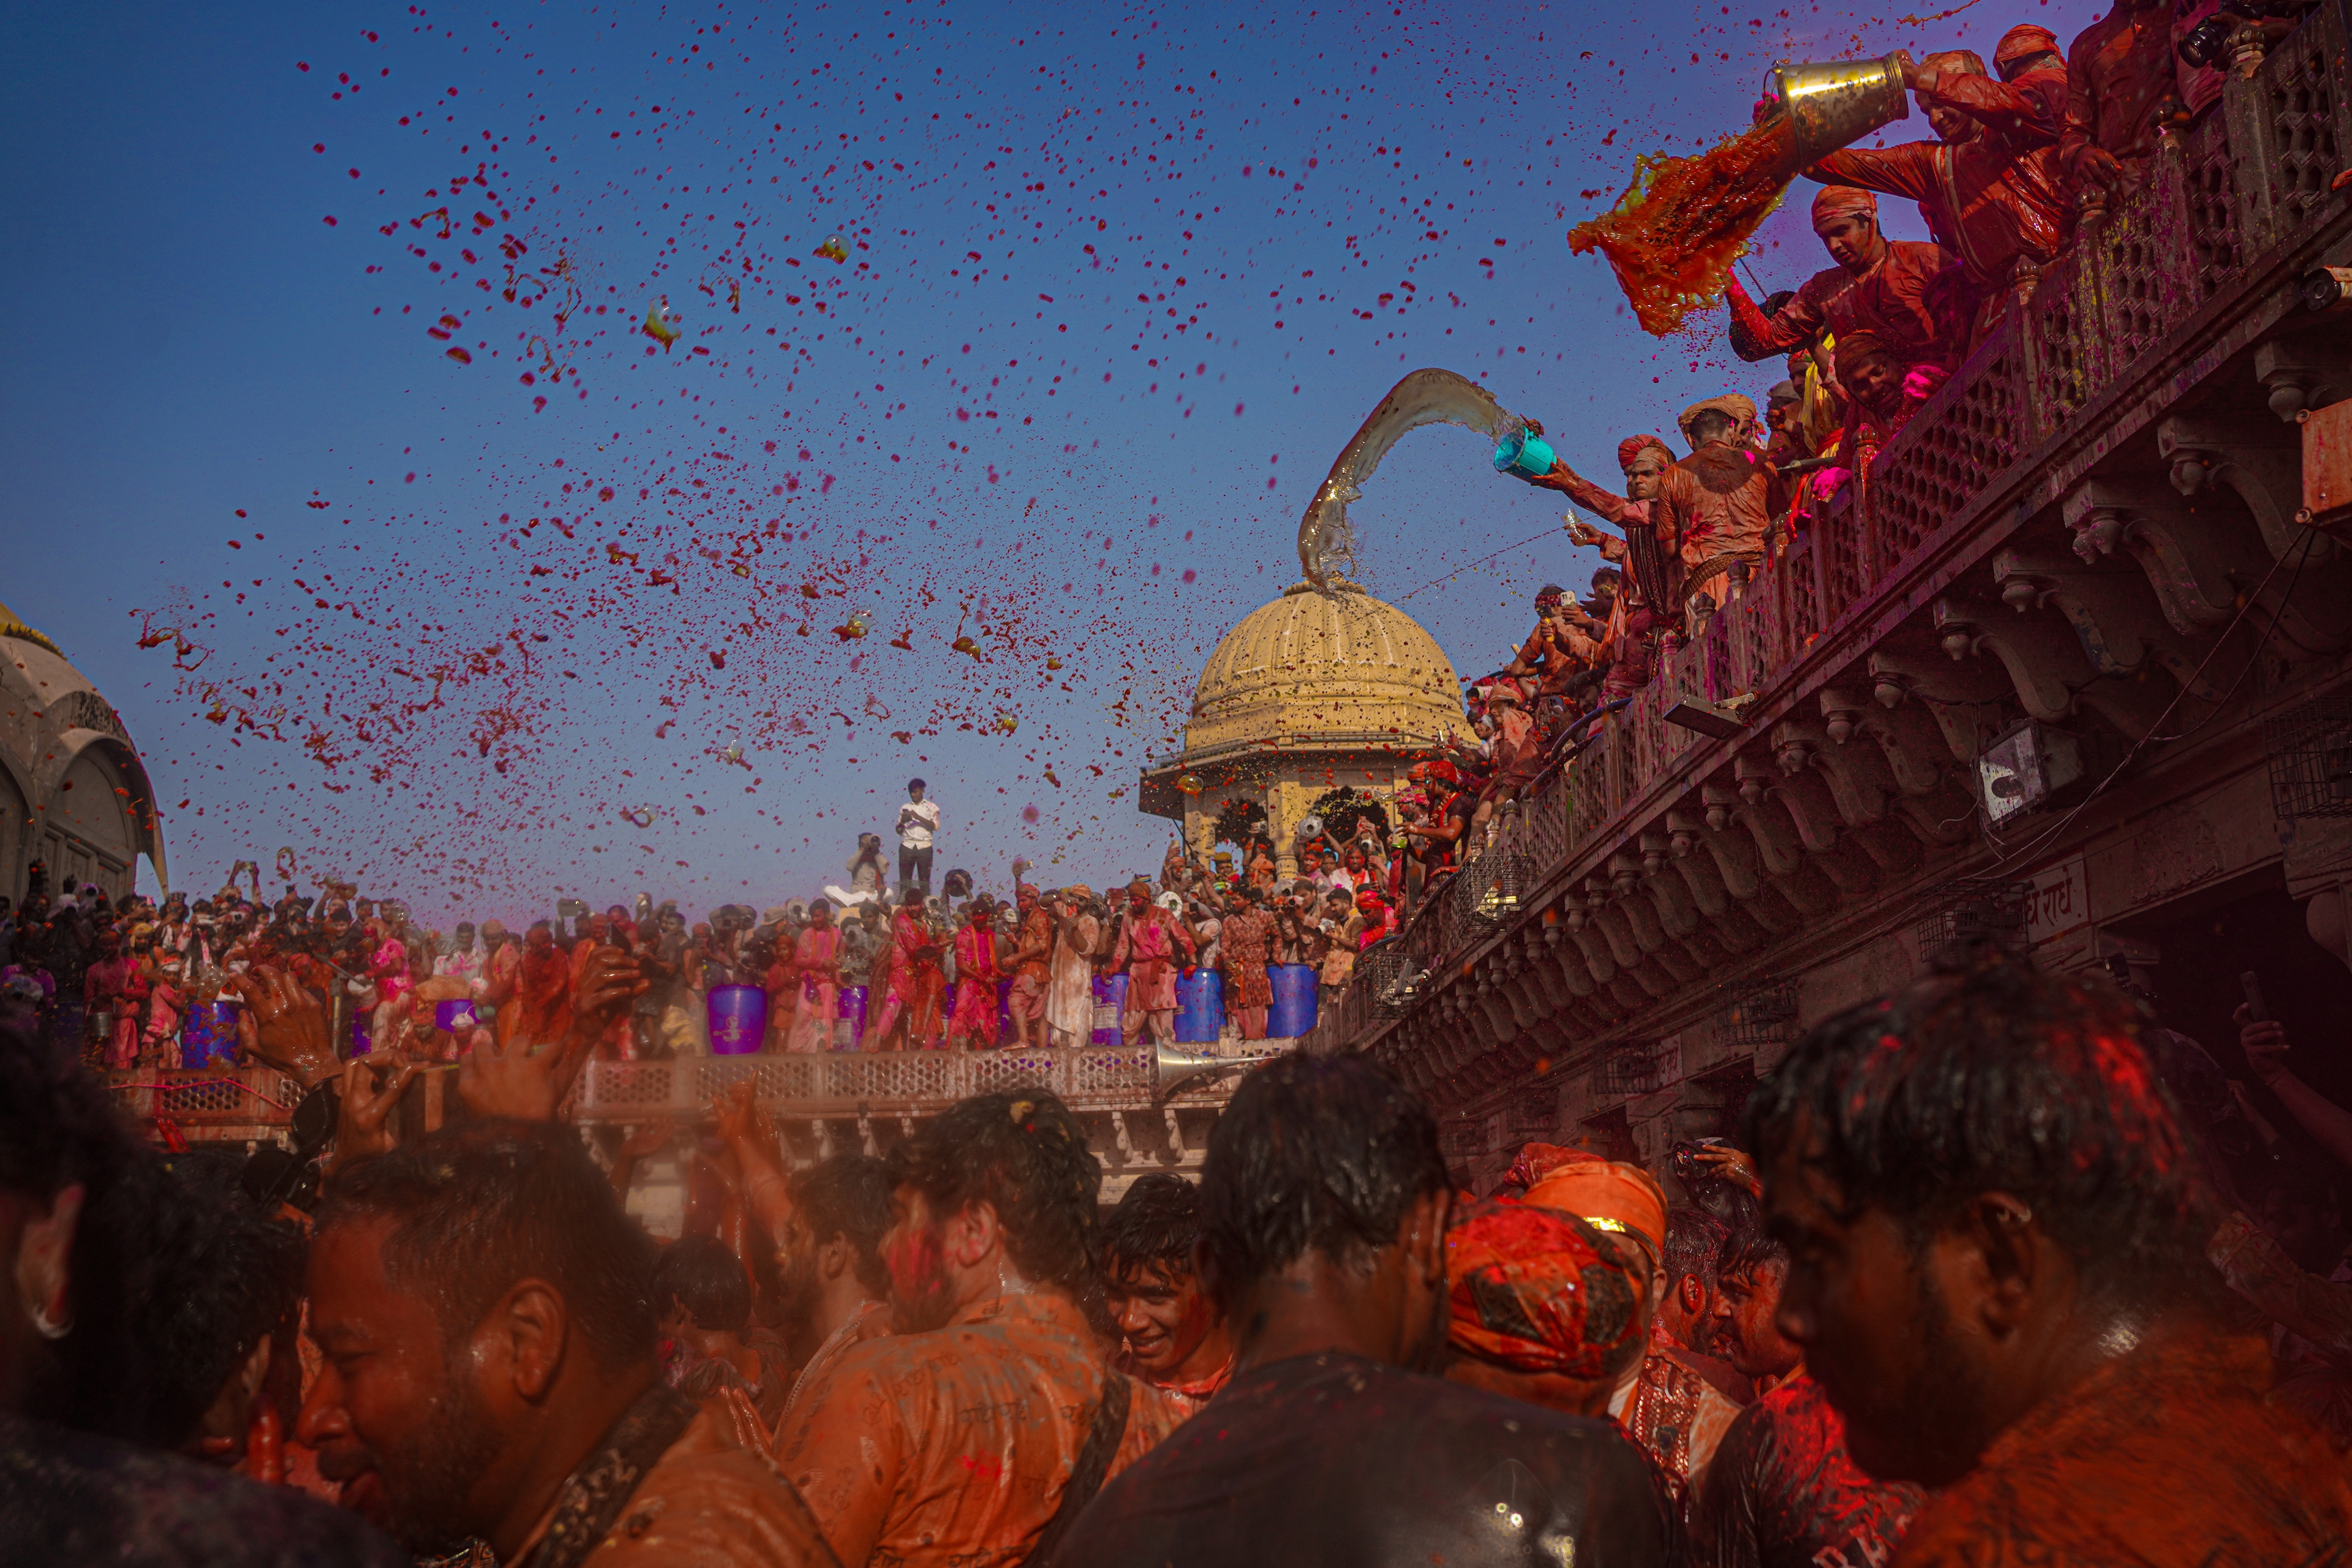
(1326,541)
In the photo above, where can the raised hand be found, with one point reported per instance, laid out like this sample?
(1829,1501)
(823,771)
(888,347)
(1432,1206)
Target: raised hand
(515,1083)
(363,1114)
(2264,1045)
(1732,1164)
(607,987)
(283,1025)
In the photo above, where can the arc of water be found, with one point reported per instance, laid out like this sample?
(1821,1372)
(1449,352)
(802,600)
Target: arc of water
(1326,538)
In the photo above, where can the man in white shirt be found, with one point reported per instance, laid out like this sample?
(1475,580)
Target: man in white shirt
(919,822)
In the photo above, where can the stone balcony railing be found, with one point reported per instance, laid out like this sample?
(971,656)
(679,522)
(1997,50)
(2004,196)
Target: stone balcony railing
(2068,531)
(820,1103)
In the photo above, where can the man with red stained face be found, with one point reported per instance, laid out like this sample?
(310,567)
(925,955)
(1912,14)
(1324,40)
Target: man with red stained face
(480,1301)
(1173,1336)
(1744,1329)
(1995,1227)
(542,1001)
(955,1439)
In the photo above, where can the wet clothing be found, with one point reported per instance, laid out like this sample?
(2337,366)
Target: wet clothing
(1334,1459)
(1899,299)
(1713,507)
(704,1500)
(1783,1493)
(1674,1411)
(70,1497)
(952,1446)
(1148,948)
(973,1020)
(814,953)
(2166,1455)
(2121,89)
(2002,212)
(1248,942)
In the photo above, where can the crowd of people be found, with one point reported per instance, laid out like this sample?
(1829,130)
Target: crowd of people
(959,968)
(1975,1284)
(2020,154)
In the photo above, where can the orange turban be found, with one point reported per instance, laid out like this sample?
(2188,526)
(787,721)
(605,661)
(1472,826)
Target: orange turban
(1831,201)
(1611,1195)
(1535,1291)
(1632,447)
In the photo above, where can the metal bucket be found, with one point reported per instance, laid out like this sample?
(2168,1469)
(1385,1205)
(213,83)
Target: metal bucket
(1835,104)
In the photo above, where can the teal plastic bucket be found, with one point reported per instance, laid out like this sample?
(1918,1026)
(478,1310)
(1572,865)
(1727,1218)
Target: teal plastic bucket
(1524,454)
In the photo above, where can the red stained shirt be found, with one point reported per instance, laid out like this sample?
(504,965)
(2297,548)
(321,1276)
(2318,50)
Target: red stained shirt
(1782,1493)
(2169,1455)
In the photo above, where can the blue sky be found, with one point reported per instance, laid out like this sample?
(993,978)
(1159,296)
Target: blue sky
(1113,286)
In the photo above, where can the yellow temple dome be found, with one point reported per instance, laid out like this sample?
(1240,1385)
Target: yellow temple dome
(1315,667)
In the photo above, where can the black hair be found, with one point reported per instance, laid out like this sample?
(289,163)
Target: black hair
(848,1195)
(913,785)
(1026,1156)
(1748,1251)
(480,1206)
(234,1279)
(1321,1153)
(58,1130)
(1991,1076)
(702,1274)
(1696,1242)
(1607,575)
(1708,424)
(1157,1222)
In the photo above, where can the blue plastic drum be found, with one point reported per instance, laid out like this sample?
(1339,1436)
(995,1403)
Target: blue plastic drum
(1005,1033)
(455,1014)
(1110,1001)
(849,1019)
(1199,1007)
(1293,1011)
(208,1031)
(739,1020)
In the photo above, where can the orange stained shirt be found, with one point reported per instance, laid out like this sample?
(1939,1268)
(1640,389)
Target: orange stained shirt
(708,1500)
(952,1446)
(2167,1455)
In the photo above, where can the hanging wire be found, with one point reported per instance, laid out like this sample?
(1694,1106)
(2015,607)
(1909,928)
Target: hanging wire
(1522,544)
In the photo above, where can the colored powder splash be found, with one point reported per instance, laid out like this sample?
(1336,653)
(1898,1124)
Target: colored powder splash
(1673,236)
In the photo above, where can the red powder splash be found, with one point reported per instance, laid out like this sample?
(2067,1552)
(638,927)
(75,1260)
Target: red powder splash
(1673,236)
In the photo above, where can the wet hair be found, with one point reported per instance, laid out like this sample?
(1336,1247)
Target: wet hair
(477,1207)
(1695,1243)
(1747,1252)
(702,1274)
(1710,424)
(1155,1223)
(236,1279)
(1314,1154)
(1991,1076)
(848,1195)
(1026,1156)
